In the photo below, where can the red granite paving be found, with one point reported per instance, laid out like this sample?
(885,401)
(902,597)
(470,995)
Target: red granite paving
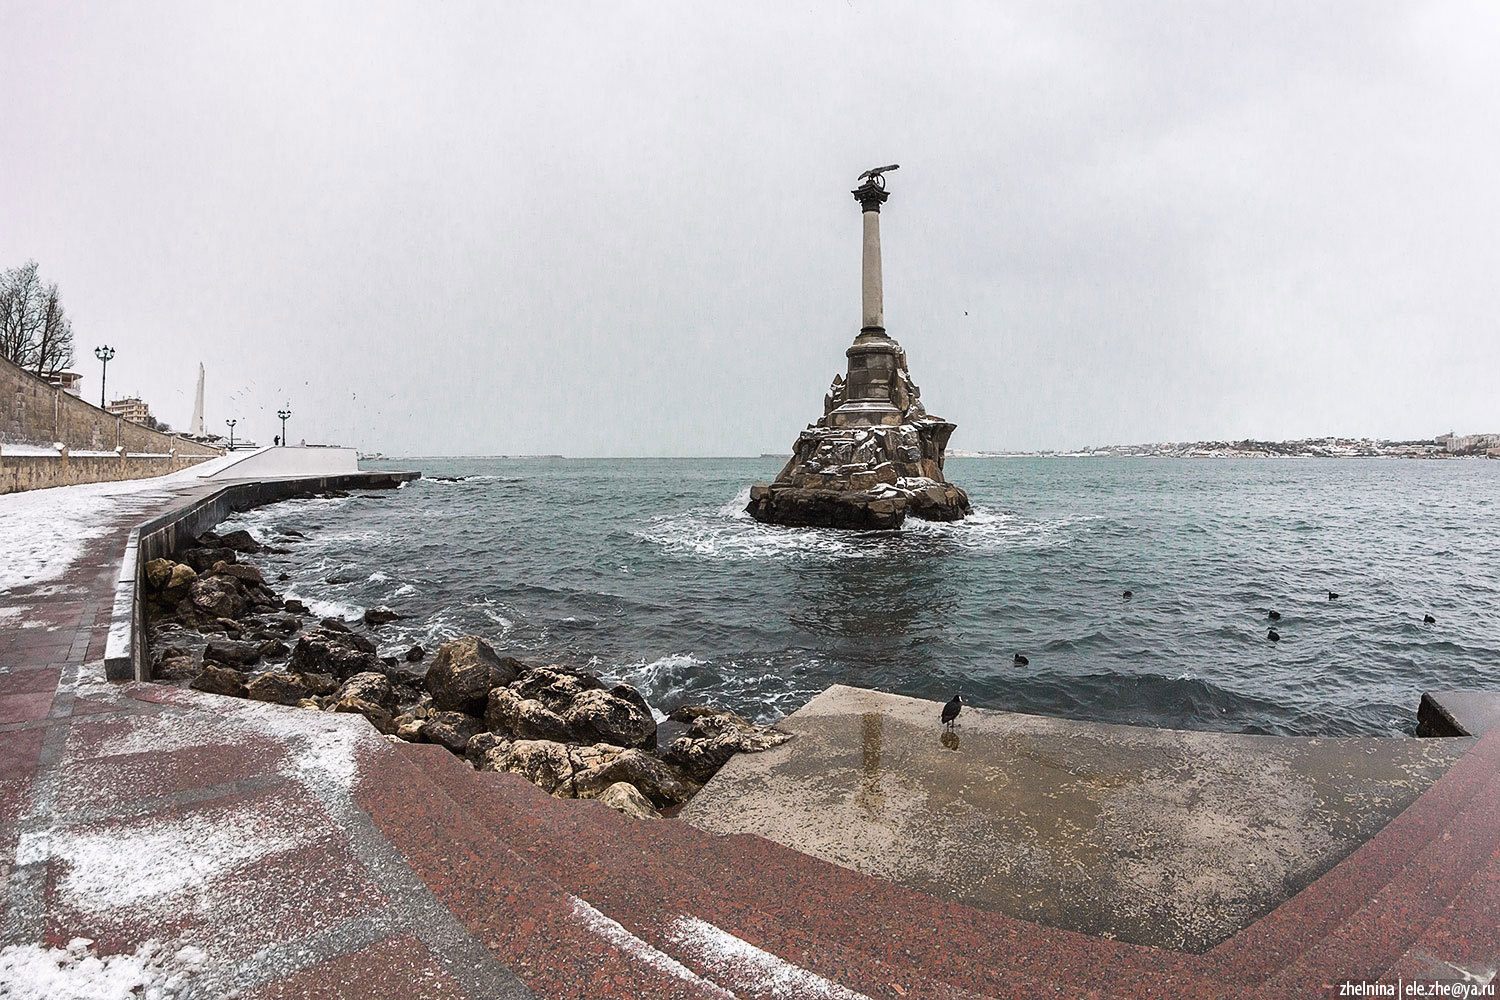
(398,968)
(162,813)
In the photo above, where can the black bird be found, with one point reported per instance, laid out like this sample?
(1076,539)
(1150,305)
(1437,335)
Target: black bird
(1021,661)
(951,710)
(1332,596)
(1273,635)
(1428,620)
(1129,594)
(1275,616)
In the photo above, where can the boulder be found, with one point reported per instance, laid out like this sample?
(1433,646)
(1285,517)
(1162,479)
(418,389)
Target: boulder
(711,740)
(220,680)
(524,718)
(295,607)
(342,654)
(464,672)
(554,686)
(625,799)
(372,687)
(320,684)
(409,727)
(481,745)
(217,597)
(453,730)
(240,541)
(619,716)
(167,580)
(544,763)
(660,783)
(228,626)
(274,649)
(234,654)
(334,624)
(240,571)
(381,616)
(175,668)
(279,688)
(416,654)
(203,559)
(378,716)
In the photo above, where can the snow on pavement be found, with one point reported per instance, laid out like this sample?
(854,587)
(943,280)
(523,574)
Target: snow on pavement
(42,532)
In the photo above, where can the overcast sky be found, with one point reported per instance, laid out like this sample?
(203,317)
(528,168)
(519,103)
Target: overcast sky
(626,229)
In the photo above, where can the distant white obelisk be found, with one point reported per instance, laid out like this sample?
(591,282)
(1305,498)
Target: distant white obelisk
(196,428)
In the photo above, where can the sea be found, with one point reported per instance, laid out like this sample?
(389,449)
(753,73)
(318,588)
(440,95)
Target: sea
(649,571)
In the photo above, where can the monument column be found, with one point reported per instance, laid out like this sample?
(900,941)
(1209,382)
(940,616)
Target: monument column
(870,197)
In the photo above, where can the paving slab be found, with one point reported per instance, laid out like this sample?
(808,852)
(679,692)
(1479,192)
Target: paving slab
(1160,837)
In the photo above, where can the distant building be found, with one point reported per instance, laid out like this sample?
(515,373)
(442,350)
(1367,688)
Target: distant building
(132,408)
(69,381)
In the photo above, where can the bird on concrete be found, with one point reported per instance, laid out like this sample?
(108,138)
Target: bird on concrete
(1273,635)
(1275,616)
(1021,661)
(1428,620)
(951,710)
(1332,596)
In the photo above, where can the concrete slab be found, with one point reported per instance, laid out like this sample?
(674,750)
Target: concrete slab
(1458,713)
(1160,837)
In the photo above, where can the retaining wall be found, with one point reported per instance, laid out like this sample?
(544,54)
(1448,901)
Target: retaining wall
(125,655)
(40,472)
(33,411)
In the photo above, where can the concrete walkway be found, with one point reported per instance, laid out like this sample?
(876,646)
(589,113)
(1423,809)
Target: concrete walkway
(1157,836)
(158,839)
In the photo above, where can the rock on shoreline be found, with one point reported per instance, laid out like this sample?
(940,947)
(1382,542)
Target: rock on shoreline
(215,624)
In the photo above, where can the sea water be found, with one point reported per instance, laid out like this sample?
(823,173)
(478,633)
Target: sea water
(649,571)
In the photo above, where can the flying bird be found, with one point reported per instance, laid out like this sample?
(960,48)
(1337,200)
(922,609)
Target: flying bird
(951,710)
(874,172)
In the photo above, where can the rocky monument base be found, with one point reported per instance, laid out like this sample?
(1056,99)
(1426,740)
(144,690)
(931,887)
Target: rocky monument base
(867,478)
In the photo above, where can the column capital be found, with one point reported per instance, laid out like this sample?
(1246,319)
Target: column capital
(870,195)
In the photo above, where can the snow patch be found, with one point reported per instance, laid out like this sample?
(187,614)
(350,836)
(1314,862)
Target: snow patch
(738,962)
(622,940)
(153,972)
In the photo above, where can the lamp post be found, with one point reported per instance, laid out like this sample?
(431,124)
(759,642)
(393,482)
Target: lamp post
(103,354)
(231,424)
(283,414)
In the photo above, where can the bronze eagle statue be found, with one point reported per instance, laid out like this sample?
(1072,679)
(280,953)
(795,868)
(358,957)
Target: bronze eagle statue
(874,172)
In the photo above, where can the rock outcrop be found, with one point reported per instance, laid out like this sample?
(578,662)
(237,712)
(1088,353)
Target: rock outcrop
(465,671)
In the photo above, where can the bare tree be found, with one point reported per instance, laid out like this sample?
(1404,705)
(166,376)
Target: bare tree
(21,305)
(54,341)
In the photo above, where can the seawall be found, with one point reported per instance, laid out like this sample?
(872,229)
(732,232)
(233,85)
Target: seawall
(35,412)
(40,472)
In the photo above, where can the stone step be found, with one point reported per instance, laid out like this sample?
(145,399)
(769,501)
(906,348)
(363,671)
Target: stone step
(1463,943)
(774,894)
(559,946)
(585,846)
(1375,936)
(1282,936)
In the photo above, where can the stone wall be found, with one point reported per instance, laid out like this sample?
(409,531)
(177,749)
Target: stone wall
(35,412)
(39,472)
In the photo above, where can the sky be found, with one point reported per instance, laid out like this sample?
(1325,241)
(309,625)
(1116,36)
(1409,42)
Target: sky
(625,228)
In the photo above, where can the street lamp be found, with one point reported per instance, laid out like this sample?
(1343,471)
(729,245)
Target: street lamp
(283,414)
(231,424)
(103,354)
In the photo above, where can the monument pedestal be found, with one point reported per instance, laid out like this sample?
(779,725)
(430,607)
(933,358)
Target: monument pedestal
(875,455)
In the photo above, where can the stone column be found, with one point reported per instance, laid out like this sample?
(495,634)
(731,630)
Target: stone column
(871,196)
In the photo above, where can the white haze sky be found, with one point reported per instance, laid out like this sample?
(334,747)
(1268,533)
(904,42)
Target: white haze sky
(626,228)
